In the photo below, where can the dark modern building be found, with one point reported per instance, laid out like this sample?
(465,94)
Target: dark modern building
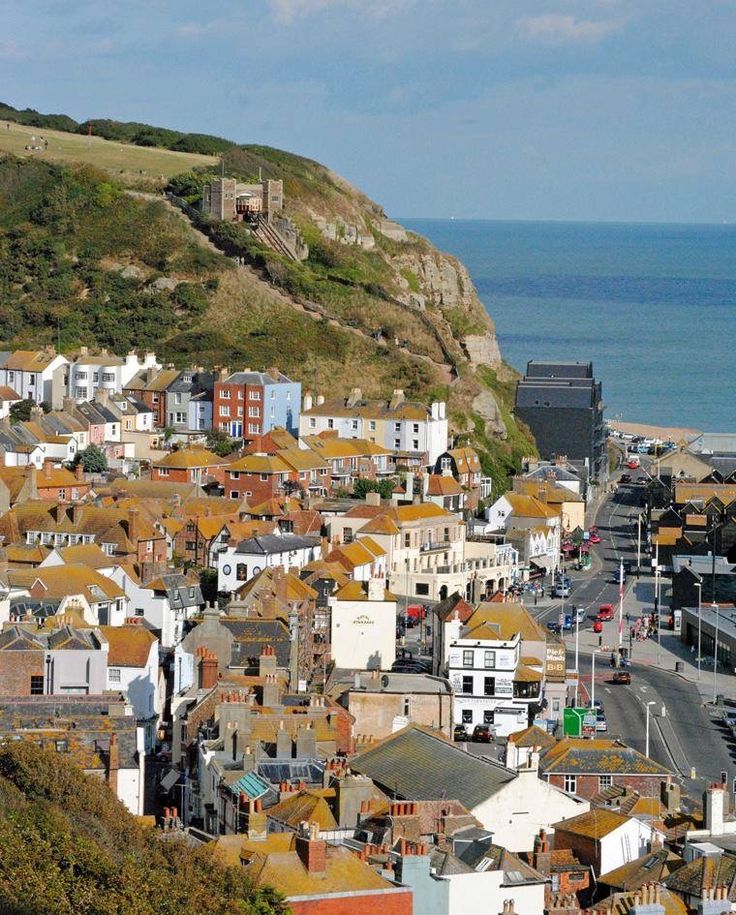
(562,404)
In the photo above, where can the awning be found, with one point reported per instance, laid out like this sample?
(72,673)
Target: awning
(545,563)
(170,779)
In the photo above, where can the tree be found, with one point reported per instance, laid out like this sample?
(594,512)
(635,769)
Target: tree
(92,459)
(220,442)
(363,486)
(20,412)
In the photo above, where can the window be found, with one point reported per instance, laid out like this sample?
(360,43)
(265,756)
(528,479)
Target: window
(96,378)
(467,715)
(397,443)
(421,588)
(468,657)
(604,781)
(80,375)
(37,685)
(253,427)
(113,674)
(234,494)
(555,705)
(154,398)
(240,394)
(191,592)
(191,545)
(353,423)
(415,444)
(264,477)
(62,746)
(163,471)
(312,422)
(224,411)
(372,425)
(80,393)
(240,411)
(62,495)
(234,474)
(397,427)
(407,706)
(415,428)
(489,686)
(225,394)
(254,411)
(347,535)
(488,716)
(489,659)
(330,423)
(571,783)
(177,398)
(254,395)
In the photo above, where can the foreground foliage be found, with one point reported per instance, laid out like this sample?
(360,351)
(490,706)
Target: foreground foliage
(69,846)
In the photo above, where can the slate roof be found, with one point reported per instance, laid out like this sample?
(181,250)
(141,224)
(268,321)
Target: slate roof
(594,757)
(418,764)
(704,873)
(276,543)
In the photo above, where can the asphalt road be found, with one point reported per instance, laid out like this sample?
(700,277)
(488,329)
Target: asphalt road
(688,736)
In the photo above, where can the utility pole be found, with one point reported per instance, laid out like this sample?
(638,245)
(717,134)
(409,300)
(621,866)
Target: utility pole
(620,610)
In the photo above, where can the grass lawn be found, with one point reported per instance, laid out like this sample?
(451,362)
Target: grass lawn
(121,159)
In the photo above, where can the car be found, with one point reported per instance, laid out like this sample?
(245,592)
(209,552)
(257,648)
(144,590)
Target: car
(410,666)
(597,704)
(460,733)
(553,625)
(561,590)
(482,733)
(625,478)
(600,721)
(594,538)
(633,463)
(641,480)
(619,577)
(622,677)
(605,613)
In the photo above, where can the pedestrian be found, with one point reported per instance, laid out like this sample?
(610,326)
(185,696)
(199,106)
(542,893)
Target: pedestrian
(535,598)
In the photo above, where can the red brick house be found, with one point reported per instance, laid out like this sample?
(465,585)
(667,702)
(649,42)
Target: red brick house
(586,767)
(189,465)
(264,474)
(150,387)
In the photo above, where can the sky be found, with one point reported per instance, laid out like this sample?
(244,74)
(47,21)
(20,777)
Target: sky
(500,109)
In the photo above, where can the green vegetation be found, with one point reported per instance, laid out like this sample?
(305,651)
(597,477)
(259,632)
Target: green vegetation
(384,487)
(69,846)
(92,459)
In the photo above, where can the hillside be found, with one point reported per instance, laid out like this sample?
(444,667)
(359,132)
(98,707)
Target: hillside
(69,846)
(373,306)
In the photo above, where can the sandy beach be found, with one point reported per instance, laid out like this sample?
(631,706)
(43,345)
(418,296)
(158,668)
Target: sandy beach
(666,433)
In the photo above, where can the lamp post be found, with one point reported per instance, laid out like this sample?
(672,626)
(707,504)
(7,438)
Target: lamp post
(715,654)
(593,653)
(699,586)
(646,741)
(656,610)
(638,544)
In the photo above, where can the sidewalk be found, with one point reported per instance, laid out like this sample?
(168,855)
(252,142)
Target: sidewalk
(639,600)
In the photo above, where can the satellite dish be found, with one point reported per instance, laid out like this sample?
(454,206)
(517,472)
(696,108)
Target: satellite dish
(384,681)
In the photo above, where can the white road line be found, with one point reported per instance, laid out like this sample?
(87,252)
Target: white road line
(643,688)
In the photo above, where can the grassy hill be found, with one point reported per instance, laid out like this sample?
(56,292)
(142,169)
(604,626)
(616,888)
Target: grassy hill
(129,163)
(91,262)
(69,846)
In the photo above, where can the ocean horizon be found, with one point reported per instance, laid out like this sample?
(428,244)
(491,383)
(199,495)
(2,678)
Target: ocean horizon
(651,305)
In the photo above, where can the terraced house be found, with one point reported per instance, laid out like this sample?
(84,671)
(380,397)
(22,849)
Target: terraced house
(248,404)
(37,375)
(415,433)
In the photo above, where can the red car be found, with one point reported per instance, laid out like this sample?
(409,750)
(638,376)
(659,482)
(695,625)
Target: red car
(605,613)
(633,464)
(594,537)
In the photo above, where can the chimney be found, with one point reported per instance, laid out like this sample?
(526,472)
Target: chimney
(308,401)
(283,742)
(713,807)
(273,372)
(356,395)
(79,472)
(373,498)
(48,466)
(670,796)
(207,667)
(133,529)
(306,742)
(113,763)
(396,398)
(83,350)
(311,849)
(267,661)
(151,373)
(271,693)
(223,373)
(253,818)
(320,399)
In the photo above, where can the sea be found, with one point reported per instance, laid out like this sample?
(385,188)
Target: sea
(652,306)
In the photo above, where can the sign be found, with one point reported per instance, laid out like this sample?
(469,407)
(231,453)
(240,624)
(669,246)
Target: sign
(363,620)
(555,664)
(572,721)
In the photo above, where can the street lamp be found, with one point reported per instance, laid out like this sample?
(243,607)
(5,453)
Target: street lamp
(699,586)
(715,654)
(646,741)
(593,653)
(656,606)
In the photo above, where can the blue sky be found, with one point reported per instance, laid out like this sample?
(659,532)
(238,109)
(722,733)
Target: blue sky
(507,109)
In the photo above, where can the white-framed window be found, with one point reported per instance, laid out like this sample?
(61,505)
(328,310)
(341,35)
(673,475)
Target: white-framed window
(489,659)
(372,425)
(82,376)
(415,444)
(234,494)
(252,427)
(415,428)
(273,394)
(181,417)
(254,411)
(397,443)
(254,395)
(354,424)
(397,427)
(234,474)
(240,394)
(312,422)
(113,674)
(604,781)
(468,657)
(163,471)
(225,395)
(264,477)
(224,411)
(177,398)
(571,784)
(330,423)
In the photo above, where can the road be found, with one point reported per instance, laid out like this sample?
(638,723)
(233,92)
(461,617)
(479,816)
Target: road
(689,735)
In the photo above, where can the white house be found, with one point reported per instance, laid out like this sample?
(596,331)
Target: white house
(103,371)
(532,525)
(38,375)
(164,603)
(133,668)
(605,839)
(363,626)
(8,397)
(238,564)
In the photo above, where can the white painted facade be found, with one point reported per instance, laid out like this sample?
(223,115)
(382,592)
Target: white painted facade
(89,374)
(484,892)
(46,384)
(141,685)
(363,632)
(235,568)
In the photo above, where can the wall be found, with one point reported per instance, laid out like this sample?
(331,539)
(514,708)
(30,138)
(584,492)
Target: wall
(363,634)
(482,894)
(522,807)
(589,785)
(631,840)
(16,670)
(374,712)
(395,901)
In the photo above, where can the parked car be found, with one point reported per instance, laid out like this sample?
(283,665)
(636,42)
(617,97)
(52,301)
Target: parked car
(622,676)
(597,704)
(553,626)
(641,480)
(605,613)
(579,614)
(600,721)
(618,577)
(482,733)
(633,463)
(416,612)
(410,666)
(460,733)
(625,478)
(561,590)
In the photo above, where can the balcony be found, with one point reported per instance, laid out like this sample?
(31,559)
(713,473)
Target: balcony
(434,546)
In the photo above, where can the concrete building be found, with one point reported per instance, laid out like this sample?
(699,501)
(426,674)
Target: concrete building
(562,404)
(89,373)
(238,564)
(37,375)
(416,433)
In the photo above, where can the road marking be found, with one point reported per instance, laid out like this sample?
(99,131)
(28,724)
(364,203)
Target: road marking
(643,688)
(607,689)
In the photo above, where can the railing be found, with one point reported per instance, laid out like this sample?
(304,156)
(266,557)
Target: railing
(433,546)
